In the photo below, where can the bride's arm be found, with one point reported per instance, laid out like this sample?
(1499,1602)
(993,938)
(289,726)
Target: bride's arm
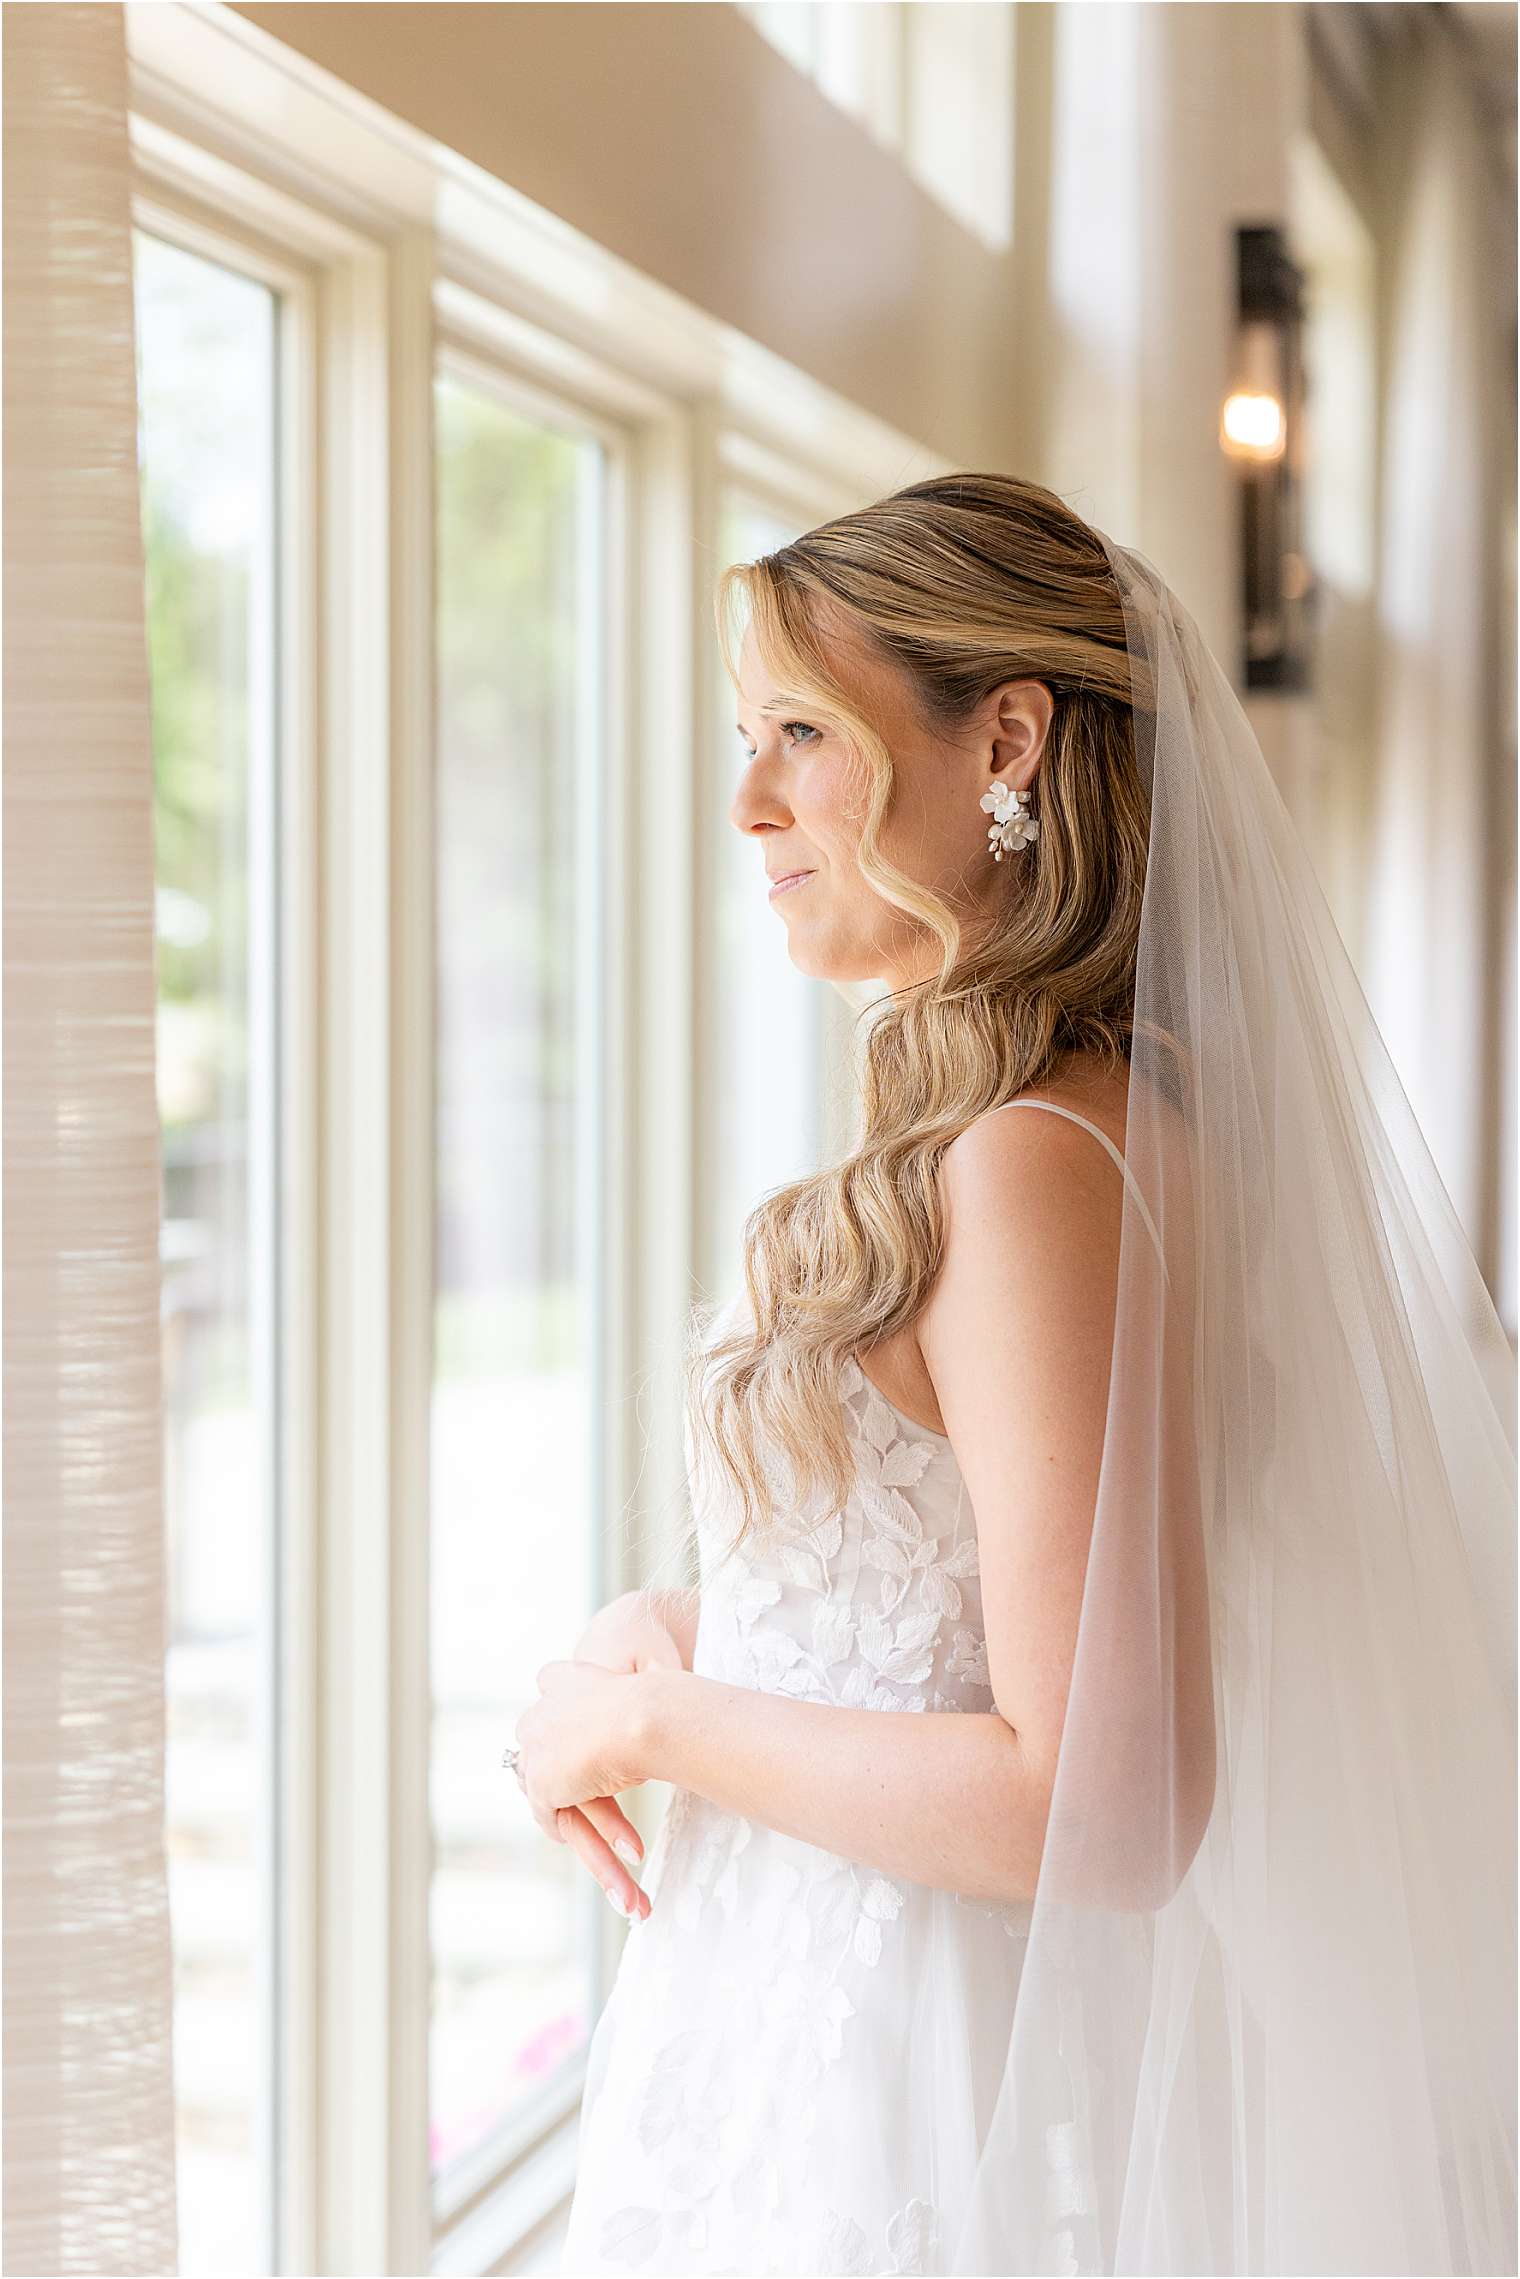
(938,1796)
(1017,1336)
(624,1631)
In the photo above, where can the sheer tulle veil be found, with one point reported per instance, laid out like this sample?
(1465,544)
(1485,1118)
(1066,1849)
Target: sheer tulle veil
(1266,2015)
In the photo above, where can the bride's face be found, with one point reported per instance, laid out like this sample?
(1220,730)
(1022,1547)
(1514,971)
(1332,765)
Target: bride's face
(803,802)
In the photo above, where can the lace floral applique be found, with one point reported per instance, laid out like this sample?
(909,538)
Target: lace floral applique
(840,2246)
(909,2243)
(847,1906)
(861,1655)
(1015,1915)
(968,1658)
(710,1870)
(920,1576)
(682,2104)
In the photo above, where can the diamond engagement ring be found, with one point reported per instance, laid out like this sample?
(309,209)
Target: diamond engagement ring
(509,1760)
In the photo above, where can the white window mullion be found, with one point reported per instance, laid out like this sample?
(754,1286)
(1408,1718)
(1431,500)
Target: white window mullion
(294,2187)
(412,934)
(659,1065)
(358,1272)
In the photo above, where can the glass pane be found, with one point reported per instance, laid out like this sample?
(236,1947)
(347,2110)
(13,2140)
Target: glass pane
(791,26)
(206,342)
(767,1107)
(514,1487)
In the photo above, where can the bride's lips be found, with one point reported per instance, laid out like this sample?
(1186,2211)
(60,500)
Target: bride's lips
(788,878)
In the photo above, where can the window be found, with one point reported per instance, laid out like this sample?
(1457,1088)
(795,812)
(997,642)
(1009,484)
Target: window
(515,1542)
(855,51)
(933,84)
(206,371)
(769,1021)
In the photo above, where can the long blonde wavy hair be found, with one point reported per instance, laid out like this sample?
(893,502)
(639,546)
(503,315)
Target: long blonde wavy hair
(965,581)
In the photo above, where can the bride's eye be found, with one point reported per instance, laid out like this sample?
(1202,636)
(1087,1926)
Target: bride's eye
(747,750)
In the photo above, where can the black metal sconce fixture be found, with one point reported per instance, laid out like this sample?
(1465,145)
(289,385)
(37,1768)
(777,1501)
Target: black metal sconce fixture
(1261,429)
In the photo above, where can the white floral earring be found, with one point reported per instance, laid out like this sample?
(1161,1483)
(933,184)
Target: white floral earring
(1013,826)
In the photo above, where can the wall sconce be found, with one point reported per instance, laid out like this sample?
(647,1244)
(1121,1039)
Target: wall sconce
(1261,430)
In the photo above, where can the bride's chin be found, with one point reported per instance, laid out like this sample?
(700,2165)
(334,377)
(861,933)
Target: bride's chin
(838,967)
(823,955)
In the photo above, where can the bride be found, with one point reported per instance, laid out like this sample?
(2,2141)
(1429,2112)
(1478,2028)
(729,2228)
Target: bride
(1128,1408)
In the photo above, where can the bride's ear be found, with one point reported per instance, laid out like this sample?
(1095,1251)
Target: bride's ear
(1022,713)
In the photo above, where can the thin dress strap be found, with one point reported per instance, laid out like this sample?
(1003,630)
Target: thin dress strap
(1029,1100)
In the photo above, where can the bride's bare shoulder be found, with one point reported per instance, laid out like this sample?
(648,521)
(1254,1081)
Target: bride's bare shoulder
(1021,1305)
(1033,1209)
(1025,1190)
(1081,1083)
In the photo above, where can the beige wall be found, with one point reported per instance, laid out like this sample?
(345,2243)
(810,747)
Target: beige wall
(679,138)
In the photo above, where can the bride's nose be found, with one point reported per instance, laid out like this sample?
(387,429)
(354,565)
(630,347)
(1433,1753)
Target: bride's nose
(757,803)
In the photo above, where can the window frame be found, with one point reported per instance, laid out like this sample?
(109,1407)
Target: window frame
(389,254)
(533,2160)
(168,203)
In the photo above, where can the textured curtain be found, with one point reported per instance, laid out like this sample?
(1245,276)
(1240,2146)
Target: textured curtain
(89,2180)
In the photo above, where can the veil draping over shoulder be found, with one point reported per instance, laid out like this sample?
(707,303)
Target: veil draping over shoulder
(1266,2014)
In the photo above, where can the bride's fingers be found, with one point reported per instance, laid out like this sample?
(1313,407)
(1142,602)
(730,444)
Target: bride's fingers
(549,1821)
(609,1819)
(603,1863)
(573,1825)
(557,1821)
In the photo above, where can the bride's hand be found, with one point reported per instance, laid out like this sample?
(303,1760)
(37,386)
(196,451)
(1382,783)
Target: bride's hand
(576,1751)
(626,1635)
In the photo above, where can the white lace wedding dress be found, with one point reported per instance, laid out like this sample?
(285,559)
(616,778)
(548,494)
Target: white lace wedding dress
(744,2109)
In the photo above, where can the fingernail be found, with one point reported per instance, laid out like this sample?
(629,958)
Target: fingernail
(615,1899)
(628,1850)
